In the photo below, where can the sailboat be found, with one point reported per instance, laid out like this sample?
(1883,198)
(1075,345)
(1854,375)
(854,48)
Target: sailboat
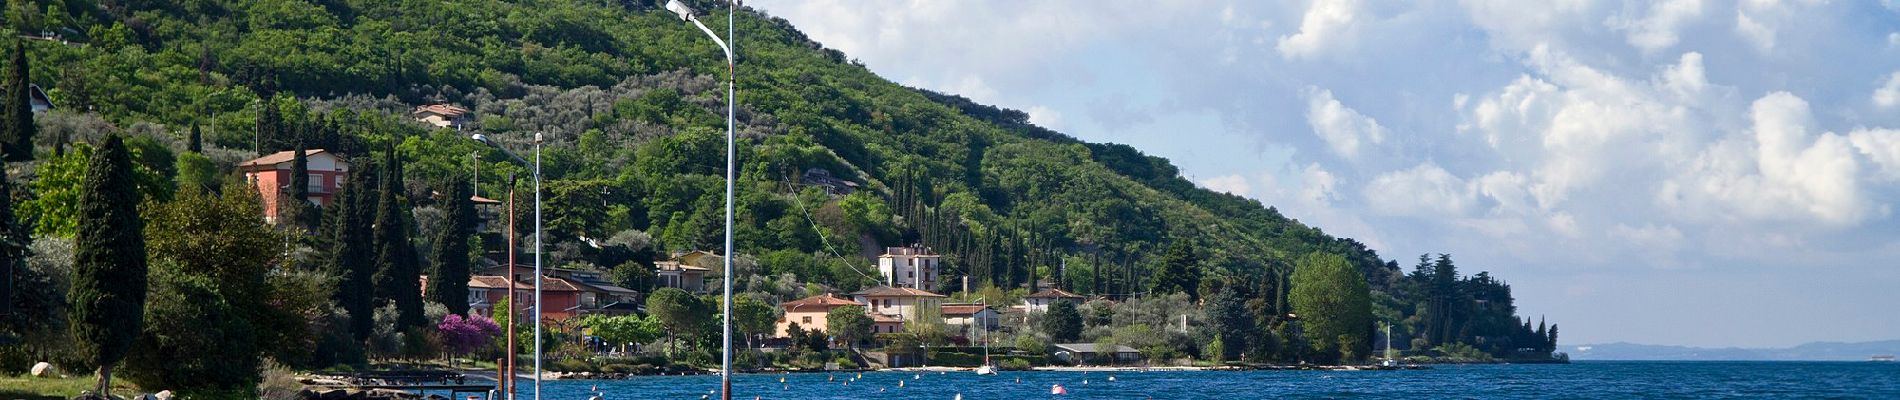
(1389,362)
(987,369)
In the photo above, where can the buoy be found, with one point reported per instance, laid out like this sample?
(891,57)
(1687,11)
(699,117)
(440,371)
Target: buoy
(1085,381)
(880,390)
(1058,389)
(594,388)
(1019,379)
(787,387)
(916,376)
(900,383)
(1111,378)
(781,379)
(831,378)
(959,396)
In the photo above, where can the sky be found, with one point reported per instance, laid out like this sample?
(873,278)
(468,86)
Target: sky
(1684,172)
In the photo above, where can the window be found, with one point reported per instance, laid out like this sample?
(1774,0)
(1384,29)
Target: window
(806,320)
(911,274)
(887,302)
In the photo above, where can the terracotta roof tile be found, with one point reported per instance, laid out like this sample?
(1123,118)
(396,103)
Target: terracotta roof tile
(1053,294)
(820,302)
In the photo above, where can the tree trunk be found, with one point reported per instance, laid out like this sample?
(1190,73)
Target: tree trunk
(105,381)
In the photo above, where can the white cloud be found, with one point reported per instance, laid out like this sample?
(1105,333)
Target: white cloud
(1230,184)
(1044,116)
(1658,30)
(1893,39)
(1882,146)
(1343,129)
(1777,172)
(1888,94)
(1327,22)
(1426,190)
(1757,33)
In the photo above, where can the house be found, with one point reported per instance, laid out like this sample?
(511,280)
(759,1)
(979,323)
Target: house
(822,178)
(269,174)
(909,267)
(561,298)
(810,312)
(597,295)
(40,102)
(1040,301)
(907,304)
(687,271)
(441,115)
(1080,353)
(962,316)
(881,323)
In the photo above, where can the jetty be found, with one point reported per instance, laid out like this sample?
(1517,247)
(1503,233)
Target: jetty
(405,384)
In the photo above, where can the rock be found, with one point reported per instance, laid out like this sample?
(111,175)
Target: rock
(333,394)
(42,369)
(163,395)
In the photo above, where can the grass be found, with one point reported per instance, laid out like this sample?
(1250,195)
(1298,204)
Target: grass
(27,387)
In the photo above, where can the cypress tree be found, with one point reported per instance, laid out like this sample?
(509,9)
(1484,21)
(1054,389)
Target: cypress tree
(19,109)
(293,204)
(109,272)
(13,243)
(353,248)
(195,143)
(398,278)
(270,121)
(448,283)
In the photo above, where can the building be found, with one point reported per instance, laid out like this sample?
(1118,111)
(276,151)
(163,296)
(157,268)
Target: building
(906,304)
(38,99)
(810,313)
(687,271)
(1089,353)
(961,316)
(269,174)
(561,298)
(909,267)
(881,323)
(595,294)
(1040,301)
(441,115)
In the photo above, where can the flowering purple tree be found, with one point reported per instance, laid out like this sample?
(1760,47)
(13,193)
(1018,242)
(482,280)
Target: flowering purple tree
(462,335)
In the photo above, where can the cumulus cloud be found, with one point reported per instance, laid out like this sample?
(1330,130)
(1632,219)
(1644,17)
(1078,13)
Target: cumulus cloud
(1888,94)
(1343,128)
(1657,30)
(1777,171)
(1231,184)
(1327,22)
(1426,190)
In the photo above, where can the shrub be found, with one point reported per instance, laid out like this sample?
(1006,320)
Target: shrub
(1015,364)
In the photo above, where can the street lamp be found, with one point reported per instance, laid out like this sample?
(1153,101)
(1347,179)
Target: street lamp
(537,247)
(725,353)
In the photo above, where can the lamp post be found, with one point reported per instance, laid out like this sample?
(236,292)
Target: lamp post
(537,247)
(725,353)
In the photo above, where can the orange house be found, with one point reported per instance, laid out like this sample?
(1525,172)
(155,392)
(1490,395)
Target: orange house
(560,298)
(269,174)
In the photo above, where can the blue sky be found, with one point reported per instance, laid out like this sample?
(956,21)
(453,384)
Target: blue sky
(1711,173)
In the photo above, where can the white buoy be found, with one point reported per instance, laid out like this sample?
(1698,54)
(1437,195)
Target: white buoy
(1111,378)
(900,383)
(959,397)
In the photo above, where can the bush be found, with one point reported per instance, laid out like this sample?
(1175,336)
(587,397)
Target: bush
(571,365)
(1015,364)
(846,363)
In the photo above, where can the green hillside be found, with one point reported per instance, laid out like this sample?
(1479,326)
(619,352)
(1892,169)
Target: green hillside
(630,102)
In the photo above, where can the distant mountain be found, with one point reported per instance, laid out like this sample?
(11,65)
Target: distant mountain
(1817,351)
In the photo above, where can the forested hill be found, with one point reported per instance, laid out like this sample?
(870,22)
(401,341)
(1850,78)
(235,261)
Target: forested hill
(627,95)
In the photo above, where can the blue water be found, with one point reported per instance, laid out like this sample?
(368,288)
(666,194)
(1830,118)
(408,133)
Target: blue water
(1587,379)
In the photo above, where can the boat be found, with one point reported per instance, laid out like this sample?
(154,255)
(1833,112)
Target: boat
(986,370)
(1390,361)
(1882,358)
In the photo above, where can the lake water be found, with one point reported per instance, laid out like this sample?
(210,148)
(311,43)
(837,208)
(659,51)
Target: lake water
(1584,379)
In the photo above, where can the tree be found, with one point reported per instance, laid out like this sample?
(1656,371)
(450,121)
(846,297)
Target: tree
(753,318)
(195,142)
(677,310)
(293,200)
(13,245)
(1180,271)
(1063,323)
(398,279)
(270,121)
(109,267)
(448,282)
(19,108)
(213,309)
(1334,305)
(1551,344)
(848,324)
(353,250)
(623,329)
(1228,315)
(23,310)
(462,335)
(633,275)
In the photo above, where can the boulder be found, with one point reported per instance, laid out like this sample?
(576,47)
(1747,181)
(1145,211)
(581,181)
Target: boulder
(333,394)
(42,369)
